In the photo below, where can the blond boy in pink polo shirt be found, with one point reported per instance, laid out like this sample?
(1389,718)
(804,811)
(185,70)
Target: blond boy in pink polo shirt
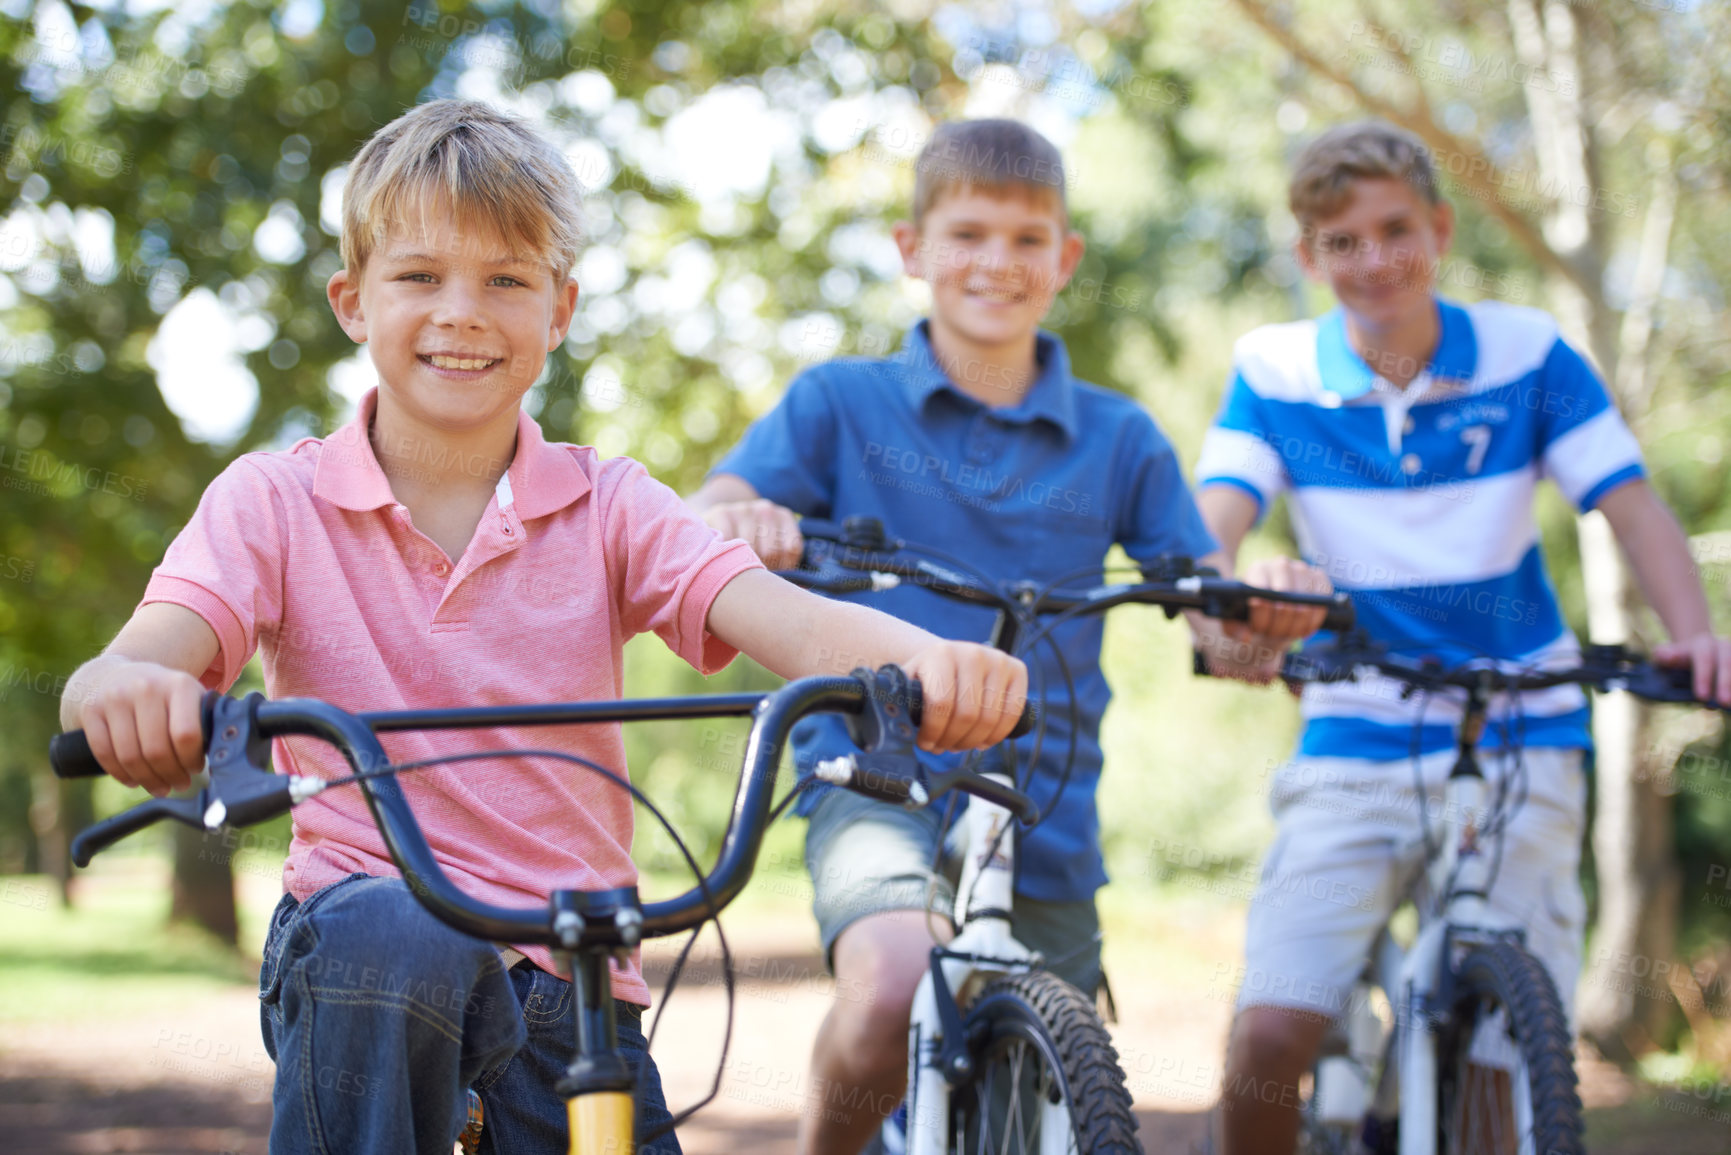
(437,551)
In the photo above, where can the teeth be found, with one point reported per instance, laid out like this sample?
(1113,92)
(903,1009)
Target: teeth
(442,362)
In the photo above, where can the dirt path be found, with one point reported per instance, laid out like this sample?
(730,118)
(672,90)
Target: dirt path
(195,1079)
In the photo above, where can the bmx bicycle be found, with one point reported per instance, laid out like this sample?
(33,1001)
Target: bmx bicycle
(1478,1055)
(1004,1056)
(585,929)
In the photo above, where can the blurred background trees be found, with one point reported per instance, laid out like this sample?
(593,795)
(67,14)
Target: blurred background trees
(172,180)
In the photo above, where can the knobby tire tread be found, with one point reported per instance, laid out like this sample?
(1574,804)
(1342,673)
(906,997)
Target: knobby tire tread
(1518,980)
(1099,1102)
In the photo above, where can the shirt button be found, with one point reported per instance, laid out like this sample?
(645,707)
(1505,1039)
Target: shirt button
(442,568)
(508,529)
(1409,426)
(1410,464)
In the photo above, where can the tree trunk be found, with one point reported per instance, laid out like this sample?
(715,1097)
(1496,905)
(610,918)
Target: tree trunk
(1640,886)
(50,824)
(1638,883)
(204,883)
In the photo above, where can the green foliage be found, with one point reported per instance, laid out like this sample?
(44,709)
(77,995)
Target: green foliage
(699,305)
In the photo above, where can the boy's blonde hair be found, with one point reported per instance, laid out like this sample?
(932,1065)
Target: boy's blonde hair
(486,165)
(998,157)
(1322,175)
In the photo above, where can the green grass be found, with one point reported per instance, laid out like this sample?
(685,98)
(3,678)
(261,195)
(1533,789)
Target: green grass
(114,952)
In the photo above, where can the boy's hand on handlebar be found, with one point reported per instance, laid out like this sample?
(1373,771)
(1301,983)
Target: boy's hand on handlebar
(1279,623)
(1710,657)
(143,724)
(771,530)
(973,695)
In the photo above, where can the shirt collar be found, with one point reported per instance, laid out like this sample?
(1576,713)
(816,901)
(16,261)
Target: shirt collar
(540,480)
(1051,398)
(1344,373)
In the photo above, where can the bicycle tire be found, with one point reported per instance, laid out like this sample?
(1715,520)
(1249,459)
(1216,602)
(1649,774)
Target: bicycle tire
(1041,1017)
(1502,977)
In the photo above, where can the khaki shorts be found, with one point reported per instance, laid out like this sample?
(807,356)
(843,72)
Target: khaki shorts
(1334,874)
(869,857)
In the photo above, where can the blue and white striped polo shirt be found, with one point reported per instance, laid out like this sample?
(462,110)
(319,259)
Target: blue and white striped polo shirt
(1419,502)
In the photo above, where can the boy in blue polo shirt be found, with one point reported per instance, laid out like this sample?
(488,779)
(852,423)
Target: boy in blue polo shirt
(1410,433)
(975,438)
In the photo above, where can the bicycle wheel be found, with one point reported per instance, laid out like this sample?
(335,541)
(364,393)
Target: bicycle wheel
(1047,1078)
(1505,1061)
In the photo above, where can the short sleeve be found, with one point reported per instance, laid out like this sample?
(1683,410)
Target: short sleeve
(226,566)
(1159,515)
(666,566)
(788,455)
(1238,449)
(1586,448)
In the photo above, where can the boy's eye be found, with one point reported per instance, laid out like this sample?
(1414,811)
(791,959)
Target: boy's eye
(412,276)
(508,280)
(1339,244)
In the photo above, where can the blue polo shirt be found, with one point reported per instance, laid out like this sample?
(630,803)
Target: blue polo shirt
(1035,491)
(1419,501)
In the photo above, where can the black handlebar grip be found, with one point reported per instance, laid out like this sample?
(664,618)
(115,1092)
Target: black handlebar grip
(69,755)
(1024,725)
(1341,616)
(817,529)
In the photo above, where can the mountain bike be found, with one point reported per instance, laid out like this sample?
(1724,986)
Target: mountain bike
(585,929)
(1004,1056)
(1478,1056)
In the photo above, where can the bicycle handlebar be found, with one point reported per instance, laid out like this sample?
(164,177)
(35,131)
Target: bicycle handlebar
(1600,668)
(241,791)
(1173,583)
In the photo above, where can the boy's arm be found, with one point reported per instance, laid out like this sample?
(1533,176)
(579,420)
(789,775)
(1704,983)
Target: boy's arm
(1658,552)
(973,693)
(729,505)
(1252,651)
(138,702)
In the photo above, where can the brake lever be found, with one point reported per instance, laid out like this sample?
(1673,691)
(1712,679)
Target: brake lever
(239,791)
(886,766)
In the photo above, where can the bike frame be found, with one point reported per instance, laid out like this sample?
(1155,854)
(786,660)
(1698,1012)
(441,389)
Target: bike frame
(982,950)
(984,947)
(585,929)
(1417,980)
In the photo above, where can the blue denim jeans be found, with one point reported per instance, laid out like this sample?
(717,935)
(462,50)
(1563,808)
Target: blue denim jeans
(380,1018)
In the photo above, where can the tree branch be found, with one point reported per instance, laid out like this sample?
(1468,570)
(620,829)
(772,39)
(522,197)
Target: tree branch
(1481,177)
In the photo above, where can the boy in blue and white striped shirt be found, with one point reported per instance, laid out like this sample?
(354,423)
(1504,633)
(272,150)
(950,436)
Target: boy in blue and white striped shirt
(1410,433)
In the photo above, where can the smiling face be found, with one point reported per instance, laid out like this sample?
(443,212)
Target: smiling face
(1380,252)
(994,262)
(458,321)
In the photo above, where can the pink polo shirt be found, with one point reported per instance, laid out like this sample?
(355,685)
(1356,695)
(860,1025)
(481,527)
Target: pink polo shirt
(306,556)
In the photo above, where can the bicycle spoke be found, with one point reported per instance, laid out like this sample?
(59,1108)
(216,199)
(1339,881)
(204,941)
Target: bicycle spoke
(1014,1112)
(1493,1108)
